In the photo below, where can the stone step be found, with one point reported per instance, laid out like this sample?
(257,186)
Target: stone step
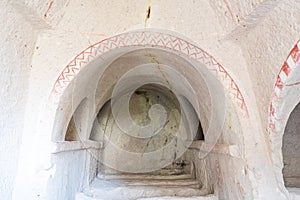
(207,197)
(100,183)
(138,192)
(144,177)
(170,183)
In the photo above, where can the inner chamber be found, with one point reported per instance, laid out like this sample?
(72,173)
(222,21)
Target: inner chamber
(181,173)
(151,102)
(173,119)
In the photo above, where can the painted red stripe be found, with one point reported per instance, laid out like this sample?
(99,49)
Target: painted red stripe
(292,84)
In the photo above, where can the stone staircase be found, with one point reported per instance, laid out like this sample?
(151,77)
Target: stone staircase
(144,186)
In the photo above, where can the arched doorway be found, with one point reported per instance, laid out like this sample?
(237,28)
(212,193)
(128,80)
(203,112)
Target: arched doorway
(163,63)
(282,112)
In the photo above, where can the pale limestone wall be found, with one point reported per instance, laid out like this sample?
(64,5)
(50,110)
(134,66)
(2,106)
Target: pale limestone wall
(253,57)
(17,38)
(272,43)
(266,47)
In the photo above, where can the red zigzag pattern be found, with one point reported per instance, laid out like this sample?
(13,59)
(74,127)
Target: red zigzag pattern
(149,39)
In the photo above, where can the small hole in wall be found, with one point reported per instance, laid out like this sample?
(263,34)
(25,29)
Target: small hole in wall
(199,135)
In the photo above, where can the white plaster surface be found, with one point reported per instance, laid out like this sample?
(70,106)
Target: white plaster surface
(294,193)
(266,47)
(17,39)
(38,40)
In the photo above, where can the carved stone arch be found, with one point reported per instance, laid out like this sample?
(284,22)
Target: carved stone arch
(108,50)
(285,97)
(150,38)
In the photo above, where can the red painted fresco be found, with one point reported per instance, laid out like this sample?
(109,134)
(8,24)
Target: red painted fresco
(149,39)
(286,70)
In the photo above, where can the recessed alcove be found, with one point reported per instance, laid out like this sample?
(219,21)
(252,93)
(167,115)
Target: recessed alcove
(291,149)
(140,104)
(176,97)
(147,104)
(72,134)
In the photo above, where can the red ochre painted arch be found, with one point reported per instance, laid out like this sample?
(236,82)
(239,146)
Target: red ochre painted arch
(285,72)
(147,38)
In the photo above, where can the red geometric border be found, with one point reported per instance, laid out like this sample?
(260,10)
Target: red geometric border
(149,39)
(286,70)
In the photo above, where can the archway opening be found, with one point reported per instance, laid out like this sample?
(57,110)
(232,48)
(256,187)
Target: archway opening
(156,90)
(195,83)
(154,105)
(291,150)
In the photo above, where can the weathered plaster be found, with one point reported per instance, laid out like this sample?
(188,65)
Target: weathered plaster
(32,61)
(17,38)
